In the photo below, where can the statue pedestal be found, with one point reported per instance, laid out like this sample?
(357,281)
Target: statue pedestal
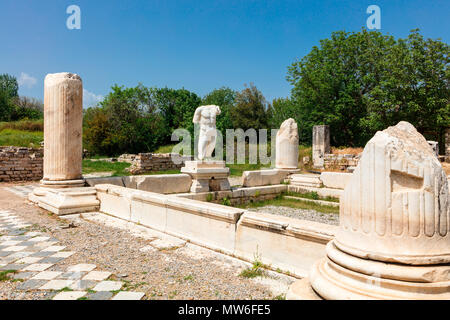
(207,175)
(62,201)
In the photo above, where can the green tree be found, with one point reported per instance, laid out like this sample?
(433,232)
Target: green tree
(9,89)
(27,108)
(9,84)
(224,98)
(126,121)
(139,119)
(250,109)
(361,82)
(280,110)
(177,107)
(414,87)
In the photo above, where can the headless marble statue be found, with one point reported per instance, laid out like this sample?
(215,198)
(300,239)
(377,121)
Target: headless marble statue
(206,117)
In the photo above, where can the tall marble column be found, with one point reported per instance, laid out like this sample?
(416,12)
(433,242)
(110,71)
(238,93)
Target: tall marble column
(63,116)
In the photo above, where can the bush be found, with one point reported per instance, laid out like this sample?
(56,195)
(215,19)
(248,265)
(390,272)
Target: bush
(140,119)
(23,125)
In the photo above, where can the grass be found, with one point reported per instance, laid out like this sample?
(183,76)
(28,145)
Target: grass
(312,195)
(296,204)
(21,138)
(257,269)
(4,275)
(128,285)
(117,168)
(165,149)
(189,277)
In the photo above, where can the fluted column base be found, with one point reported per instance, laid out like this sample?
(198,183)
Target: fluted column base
(341,276)
(62,184)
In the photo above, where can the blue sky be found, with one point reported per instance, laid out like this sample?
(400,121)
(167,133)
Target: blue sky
(198,45)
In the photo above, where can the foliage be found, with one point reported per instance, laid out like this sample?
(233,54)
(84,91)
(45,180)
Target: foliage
(177,108)
(225,99)
(6,106)
(140,119)
(4,275)
(27,108)
(280,110)
(9,85)
(361,82)
(13,107)
(24,125)
(257,269)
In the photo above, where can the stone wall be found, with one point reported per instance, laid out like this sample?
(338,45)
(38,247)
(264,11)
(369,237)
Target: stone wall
(282,243)
(340,161)
(146,162)
(21,164)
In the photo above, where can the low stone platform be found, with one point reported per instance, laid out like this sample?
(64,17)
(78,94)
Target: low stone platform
(207,175)
(63,201)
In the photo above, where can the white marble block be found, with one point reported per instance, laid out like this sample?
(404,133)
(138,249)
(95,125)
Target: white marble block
(287,145)
(393,241)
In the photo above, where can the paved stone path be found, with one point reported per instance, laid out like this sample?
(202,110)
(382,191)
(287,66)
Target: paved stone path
(26,256)
(21,191)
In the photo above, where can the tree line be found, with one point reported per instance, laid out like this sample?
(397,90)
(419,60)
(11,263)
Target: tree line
(14,107)
(356,82)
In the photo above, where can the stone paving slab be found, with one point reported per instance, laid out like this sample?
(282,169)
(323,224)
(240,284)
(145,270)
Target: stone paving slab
(51,260)
(31,284)
(100,295)
(69,295)
(31,253)
(24,275)
(108,285)
(75,275)
(29,260)
(97,275)
(82,267)
(128,295)
(37,267)
(63,254)
(56,285)
(47,275)
(83,284)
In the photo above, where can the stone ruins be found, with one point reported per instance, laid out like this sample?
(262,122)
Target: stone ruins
(287,145)
(20,164)
(207,174)
(320,145)
(392,242)
(63,119)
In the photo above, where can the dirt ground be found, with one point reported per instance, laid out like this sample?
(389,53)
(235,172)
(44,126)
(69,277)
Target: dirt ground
(187,272)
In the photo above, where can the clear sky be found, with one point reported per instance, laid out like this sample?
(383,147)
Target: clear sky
(198,45)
